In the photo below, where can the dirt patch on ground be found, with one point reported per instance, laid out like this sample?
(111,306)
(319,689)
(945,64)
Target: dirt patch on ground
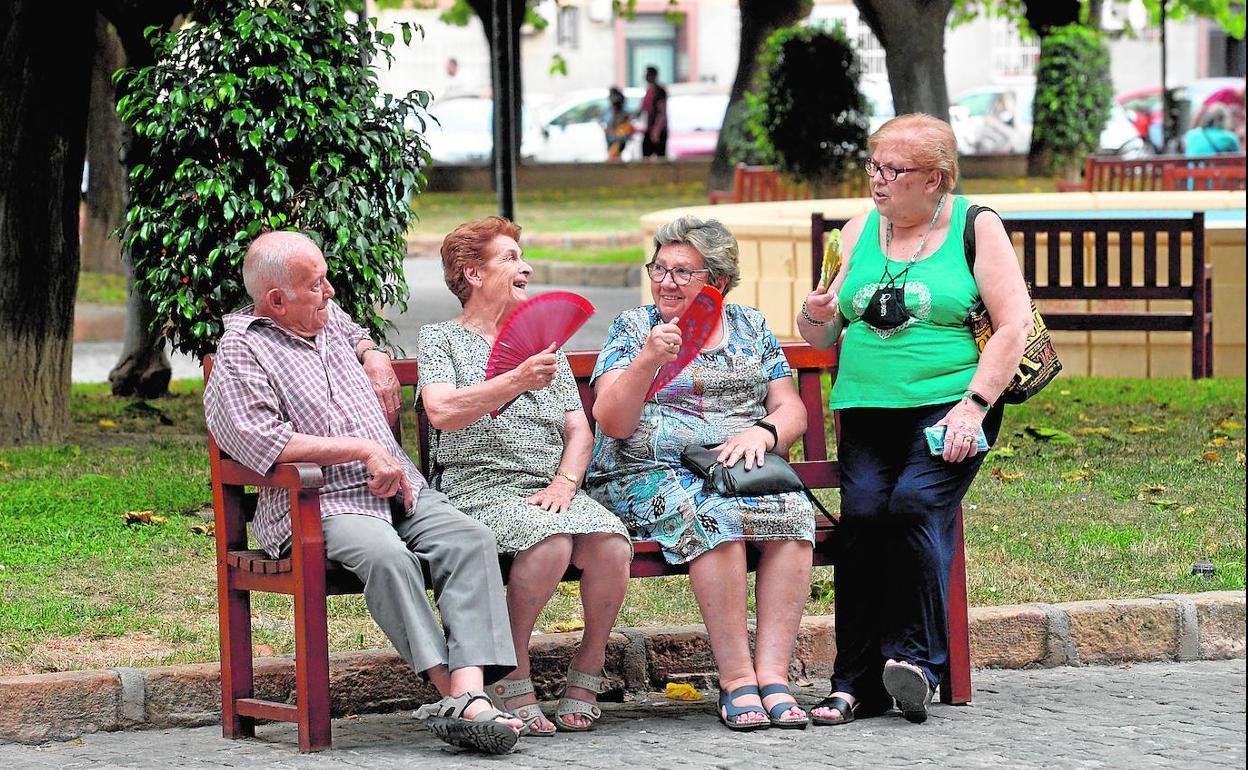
(81,652)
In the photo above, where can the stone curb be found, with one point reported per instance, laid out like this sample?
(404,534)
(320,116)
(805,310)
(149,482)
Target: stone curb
(62,706)
(560,273)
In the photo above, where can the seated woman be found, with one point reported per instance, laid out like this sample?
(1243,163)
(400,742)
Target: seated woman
(520,473)
(737,394)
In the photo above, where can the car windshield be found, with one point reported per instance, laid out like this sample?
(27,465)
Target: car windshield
(696,112)
(977,105)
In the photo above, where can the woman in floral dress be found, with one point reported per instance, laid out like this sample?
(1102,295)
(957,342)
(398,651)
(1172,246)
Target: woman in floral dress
(520,472)
(738,395)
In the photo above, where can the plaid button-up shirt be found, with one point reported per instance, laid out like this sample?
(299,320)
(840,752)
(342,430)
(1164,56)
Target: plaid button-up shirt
(268,384)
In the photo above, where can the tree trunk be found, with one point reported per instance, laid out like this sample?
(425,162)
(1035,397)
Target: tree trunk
(913,35)
(45,76)
(759,18)
(101,251)
(484,12)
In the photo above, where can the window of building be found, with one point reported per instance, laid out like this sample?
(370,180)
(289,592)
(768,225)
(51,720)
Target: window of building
(568,26)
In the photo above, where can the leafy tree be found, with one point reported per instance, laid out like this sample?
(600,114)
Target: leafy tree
(808,118)
(266,117)
(1073,97)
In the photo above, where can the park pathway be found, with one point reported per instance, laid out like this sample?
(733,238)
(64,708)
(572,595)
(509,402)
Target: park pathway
(1180,715)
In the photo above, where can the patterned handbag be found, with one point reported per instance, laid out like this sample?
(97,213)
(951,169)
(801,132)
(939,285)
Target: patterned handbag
(1039,364)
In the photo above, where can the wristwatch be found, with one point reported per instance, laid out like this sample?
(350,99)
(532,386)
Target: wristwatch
(775,435)
(378,348)
(978,399)
(570,477)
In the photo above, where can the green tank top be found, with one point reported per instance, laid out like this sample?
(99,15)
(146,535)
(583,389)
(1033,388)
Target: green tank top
(931,358)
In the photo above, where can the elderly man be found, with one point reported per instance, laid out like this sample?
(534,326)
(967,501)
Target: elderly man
(296,380)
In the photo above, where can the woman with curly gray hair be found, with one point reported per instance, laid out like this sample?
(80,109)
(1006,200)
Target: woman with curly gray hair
(738,396)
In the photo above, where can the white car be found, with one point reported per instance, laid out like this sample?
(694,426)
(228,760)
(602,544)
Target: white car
(463,132)
(572,132)
(993,120)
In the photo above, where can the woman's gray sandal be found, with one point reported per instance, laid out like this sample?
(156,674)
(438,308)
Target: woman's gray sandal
(483,732)
(505,689)
(568,706)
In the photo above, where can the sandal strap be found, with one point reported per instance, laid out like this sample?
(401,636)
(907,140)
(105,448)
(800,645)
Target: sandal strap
(777,711)
(595,684)
(453,707)
(731,710)
(568,706)
(506,689)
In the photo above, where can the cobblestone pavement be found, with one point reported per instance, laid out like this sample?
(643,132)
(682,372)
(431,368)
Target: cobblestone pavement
(1140,716)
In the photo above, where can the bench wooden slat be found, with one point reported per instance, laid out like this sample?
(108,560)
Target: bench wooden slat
(1161,172)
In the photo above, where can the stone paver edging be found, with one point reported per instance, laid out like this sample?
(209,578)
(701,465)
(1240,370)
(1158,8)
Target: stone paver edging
(61,706)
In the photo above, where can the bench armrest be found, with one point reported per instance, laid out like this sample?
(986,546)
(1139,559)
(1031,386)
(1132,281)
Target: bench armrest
(717,196)
(291,476)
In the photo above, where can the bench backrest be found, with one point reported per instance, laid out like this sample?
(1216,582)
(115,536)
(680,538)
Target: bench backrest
(1206,178)
(1145,174)
(1110,258)
(809,366)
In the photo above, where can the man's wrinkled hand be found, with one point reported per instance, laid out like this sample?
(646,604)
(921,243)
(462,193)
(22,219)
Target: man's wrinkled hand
(387,477)
(385,382)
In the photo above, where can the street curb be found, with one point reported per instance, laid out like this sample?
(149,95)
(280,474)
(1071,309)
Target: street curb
(1167,627)
(559,273)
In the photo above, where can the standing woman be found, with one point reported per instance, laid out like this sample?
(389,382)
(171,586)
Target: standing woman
(737,395)
(520,473)
(908,362)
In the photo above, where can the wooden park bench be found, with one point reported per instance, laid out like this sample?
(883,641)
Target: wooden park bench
(1114,174)
(1096,260)
(752,184)
(306,575)
(1204,178)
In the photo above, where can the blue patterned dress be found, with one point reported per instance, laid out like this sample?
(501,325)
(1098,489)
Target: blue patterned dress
(719,394)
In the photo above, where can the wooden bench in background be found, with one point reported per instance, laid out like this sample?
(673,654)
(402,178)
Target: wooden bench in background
(752,184)
(1114,174)
(1205,178)
(307,576)
(1109,259)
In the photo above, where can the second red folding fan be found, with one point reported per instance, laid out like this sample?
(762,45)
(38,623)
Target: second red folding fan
(696,325)
(531,328)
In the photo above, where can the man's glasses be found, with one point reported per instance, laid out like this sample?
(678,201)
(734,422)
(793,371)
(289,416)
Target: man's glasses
(681,275)
(887,173)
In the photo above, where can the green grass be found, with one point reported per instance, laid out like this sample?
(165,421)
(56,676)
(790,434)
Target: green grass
(590,255)
(1122,510)
(102,288)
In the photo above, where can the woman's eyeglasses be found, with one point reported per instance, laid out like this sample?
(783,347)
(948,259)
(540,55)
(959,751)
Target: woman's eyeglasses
(887,173)
(680,275)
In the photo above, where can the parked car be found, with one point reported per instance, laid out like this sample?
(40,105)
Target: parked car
(993,120)
(1144,106)
(463,132)
(572,131)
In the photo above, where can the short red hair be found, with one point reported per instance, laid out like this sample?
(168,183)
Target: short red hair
(464,246)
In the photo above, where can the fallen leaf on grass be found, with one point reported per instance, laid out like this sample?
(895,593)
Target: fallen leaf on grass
(681,691)
(570,589)
(1162,502)
(1079,475)
(1239,457)
(1052,435)
(143,517)
(106,423)
(1219,441)
(1229,425)
(1151,489)
(1002,452)
(4,466)
(1006,475)
(1189,510)
(565,626)
(1211,457)
(1097,431)
(1147,429)
(204,529)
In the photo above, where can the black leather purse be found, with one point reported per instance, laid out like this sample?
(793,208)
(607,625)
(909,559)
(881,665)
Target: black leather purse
(773,477)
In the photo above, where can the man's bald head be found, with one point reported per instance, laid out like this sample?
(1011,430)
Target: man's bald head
(267,262)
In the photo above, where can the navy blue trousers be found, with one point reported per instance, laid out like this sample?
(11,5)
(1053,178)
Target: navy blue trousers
(895,544)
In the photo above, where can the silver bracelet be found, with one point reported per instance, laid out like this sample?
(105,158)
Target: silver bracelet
(810,320)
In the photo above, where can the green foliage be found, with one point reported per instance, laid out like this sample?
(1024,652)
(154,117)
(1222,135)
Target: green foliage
(267,117)
(808,117)
(1073,95)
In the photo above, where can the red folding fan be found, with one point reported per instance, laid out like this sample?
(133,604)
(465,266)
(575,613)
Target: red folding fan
(531,328)
(696,325)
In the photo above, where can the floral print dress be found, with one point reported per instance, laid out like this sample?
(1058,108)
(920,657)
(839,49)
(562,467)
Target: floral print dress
(489,468)
(719,394)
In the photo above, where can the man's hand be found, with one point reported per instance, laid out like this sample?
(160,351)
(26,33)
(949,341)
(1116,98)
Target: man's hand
(538,370)
(555,498)
(381,374)
(386,476)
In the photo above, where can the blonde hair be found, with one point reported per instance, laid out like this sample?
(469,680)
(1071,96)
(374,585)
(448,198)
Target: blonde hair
(928,140)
